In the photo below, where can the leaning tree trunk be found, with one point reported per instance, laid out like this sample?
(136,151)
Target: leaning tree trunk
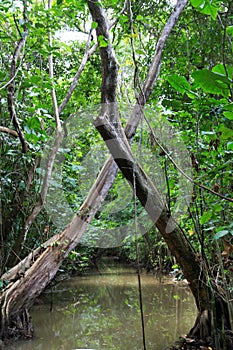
(210,302)
(212,307)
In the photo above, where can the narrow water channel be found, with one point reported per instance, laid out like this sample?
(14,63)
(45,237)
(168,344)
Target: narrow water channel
(101,311)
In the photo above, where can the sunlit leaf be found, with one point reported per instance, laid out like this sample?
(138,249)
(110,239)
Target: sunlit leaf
(175,266)
(228,115)
(197,3)
(179,83)
(190,232)
(228,107)
(224,70)
(229,30)
(94,25)
(207,7)
(217,208)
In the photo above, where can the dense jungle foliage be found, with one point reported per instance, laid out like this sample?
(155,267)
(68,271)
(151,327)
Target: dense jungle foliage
(194,92)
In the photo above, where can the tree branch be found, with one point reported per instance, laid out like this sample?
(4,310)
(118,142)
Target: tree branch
(107,54)
(11,93)
(74,83)
(8,131)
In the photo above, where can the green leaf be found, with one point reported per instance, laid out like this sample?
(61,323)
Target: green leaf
(229,30)
(212,82)
(206,217)
(176,266)
(228,107)
(217,208)
(228,115)
(139,18)
(94,25)
(180,84)
(102,41)
(224,70)
(34,123)
(226,133)
(230,146)
(197,3)
(210,9)
(207,7)
(220,234)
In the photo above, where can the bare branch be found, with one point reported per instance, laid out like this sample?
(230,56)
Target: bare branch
(51,76)
(156,62)
(114,23)
(8,131)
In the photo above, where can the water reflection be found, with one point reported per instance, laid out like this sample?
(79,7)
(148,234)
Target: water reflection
(101,311)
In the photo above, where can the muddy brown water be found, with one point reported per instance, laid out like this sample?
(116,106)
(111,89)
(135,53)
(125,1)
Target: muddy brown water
(101,311)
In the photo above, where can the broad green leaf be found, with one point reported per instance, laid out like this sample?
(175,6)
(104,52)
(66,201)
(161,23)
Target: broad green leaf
(228,115)
(226,133)
(123,19)
(206,217)
(140,52)
(207,7)
(220,234)
(212,82)
(221,69)
(180,84)
(210,9)
(228,107)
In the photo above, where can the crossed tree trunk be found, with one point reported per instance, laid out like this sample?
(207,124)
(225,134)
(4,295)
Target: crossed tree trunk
(29,278)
